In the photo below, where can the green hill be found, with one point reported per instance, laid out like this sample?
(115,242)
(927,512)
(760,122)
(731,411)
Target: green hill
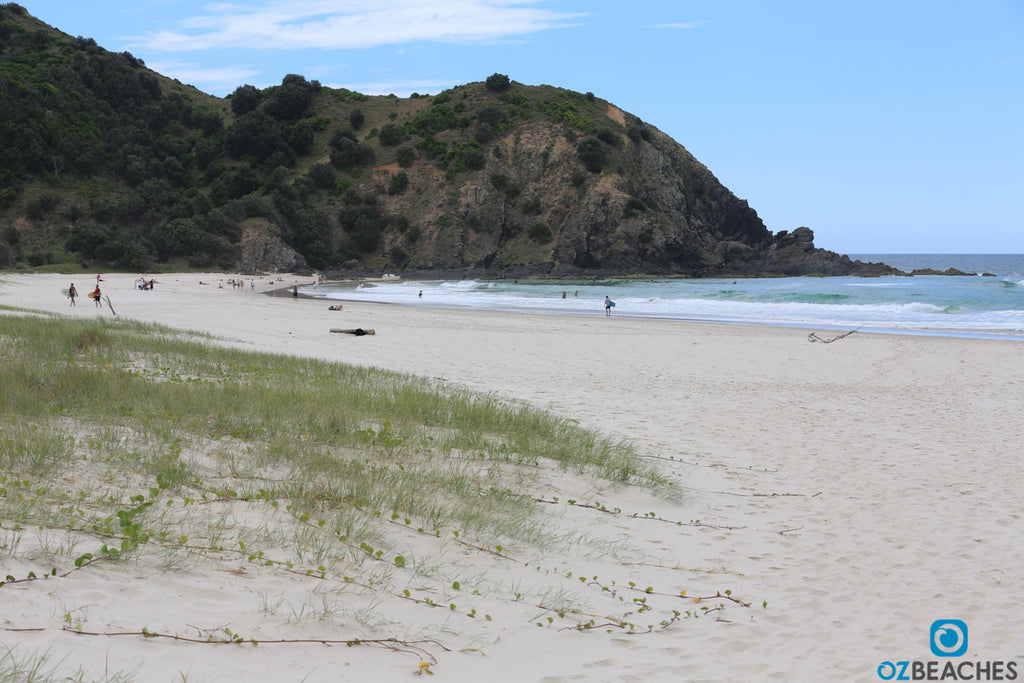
(105,163)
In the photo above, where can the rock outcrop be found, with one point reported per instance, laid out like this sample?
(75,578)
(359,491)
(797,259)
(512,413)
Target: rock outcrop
(794,253)
(263,251)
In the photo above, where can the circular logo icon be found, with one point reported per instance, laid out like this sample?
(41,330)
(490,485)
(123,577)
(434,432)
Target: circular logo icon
(948,638)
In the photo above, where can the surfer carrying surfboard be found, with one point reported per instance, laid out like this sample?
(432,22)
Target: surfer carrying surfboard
(96,297)
(608,303)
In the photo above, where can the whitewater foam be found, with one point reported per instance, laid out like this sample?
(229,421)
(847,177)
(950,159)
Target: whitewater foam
(964,305)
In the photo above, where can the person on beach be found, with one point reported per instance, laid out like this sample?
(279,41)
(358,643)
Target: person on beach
(295,292)
(72,293)
(607,307)
(96,297)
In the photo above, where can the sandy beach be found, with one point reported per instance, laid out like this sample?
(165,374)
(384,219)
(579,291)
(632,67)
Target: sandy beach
(853,493)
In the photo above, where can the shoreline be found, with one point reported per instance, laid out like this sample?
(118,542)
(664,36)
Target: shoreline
(968,308)
(923,332)
(696,321)
(852,486)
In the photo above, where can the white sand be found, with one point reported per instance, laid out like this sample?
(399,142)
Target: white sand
(871,486)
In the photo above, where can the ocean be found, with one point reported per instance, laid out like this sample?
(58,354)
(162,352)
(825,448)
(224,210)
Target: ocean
(976,306)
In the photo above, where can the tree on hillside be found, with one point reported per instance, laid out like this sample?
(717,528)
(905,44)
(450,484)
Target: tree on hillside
(347,153)
(256,134)
(322,175)
(290,100)
(300,137)
(497,82)
(391,135)
(245,99)
(592,153)
(406,156)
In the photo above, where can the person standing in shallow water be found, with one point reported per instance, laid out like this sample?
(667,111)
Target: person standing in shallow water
(607,307)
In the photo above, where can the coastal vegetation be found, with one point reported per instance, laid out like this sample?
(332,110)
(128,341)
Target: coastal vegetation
(147,409)
(106,164)
(123,442)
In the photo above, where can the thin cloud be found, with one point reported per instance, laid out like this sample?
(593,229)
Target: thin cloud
(401,88)
(681,24)
(207,79)
(350,24)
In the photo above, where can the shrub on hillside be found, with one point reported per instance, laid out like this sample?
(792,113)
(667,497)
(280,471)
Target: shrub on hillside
(592,153)
(608,136)
(539,232)
(399,183)
(290,100)
(300,137)
(498,82)
(322,175)
(406,156)
(256,134)
(245,99)
(532,206)
(348,154)
(391,135)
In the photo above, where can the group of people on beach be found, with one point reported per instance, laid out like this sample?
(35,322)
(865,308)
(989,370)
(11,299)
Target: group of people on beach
(147,285)
(95,295)
(238,283)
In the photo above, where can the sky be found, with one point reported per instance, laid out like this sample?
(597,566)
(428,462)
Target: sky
(886,126)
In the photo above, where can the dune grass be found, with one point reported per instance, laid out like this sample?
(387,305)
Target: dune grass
(378,502)
(101,419)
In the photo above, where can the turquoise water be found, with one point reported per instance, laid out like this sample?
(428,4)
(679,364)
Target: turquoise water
(974,306)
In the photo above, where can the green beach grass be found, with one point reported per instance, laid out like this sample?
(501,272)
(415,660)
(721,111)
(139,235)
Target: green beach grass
(354,495)
(104,422)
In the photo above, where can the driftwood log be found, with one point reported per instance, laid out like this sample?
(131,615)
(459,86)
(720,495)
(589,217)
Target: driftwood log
(358,331)
(828,340)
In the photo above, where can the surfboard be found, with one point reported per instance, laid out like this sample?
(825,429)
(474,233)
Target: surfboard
(612,303)
(66,291)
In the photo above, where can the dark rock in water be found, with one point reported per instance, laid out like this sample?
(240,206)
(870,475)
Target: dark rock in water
(794,253)
(949,271)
